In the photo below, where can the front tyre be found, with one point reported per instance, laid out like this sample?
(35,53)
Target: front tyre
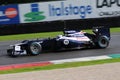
(103,42)
(35,48)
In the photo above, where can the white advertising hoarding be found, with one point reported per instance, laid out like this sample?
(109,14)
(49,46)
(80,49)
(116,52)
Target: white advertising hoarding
(67,10)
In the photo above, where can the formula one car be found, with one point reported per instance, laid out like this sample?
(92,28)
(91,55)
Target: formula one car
(71,39)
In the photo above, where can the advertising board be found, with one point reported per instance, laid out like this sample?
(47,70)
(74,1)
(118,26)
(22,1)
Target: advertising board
(69,9)
(9,14)
(59,10)
(107,8)
(51,11)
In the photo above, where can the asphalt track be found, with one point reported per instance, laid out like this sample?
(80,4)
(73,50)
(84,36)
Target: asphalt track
(114,48)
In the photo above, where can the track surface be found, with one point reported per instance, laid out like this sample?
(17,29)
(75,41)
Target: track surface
(113,48)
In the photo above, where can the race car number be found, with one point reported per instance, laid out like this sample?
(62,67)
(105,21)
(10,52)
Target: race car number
(17,48)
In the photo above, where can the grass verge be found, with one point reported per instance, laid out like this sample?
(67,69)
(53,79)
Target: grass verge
(41,35)
(59,66)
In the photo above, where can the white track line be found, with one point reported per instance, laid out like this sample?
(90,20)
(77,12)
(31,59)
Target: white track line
(80,59)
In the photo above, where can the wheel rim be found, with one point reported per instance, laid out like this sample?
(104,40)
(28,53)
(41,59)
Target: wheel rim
(35,48)
(103,41)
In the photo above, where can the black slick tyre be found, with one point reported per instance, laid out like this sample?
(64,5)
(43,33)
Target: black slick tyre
(103,42)
(35,48)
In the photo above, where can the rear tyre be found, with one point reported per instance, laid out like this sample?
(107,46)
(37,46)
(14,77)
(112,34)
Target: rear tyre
(103,42)
(35,48)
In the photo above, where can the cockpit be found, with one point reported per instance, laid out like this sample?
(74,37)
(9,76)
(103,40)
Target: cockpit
(77,34)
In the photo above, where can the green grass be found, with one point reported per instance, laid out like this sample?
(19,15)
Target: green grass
(29,36)
(59,66)
(115,30)
(41,35)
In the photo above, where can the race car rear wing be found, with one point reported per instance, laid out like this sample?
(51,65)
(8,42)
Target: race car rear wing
(102,31)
